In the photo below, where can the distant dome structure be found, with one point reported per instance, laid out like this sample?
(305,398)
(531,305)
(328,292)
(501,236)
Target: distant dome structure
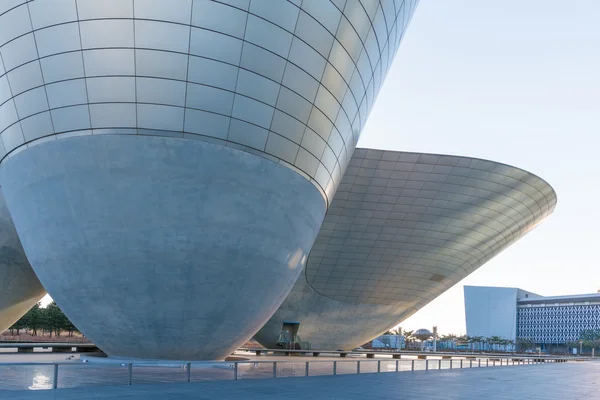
(423,334)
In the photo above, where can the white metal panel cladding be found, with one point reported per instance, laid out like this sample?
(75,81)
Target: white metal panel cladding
(556,324)
(293,81)
(401,230)
(406,226)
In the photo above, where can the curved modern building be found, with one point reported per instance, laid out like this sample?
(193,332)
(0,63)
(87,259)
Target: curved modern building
(168,163)
(20,289)
(402,229)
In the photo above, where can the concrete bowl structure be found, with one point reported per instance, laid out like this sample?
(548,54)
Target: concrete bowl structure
(20,288)
(168,164)
(402,229)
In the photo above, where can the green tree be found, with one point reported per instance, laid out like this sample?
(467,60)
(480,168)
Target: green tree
(494,341)
(56,319)
(20,324)
(451,338)
(506,343)
(572,345)
(35,318)
(590,338)
(524,344)
(408,336)
(479,341)
(69,327)
(472,340)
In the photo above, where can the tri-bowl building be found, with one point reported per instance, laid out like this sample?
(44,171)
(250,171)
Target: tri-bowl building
(401,230)
(168,165)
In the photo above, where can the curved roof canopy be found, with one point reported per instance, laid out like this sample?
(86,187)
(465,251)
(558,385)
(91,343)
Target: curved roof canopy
(408,225)
(402,229)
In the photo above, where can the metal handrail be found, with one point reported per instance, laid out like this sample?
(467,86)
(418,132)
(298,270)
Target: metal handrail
(234,365)
(489,355)
(183,363)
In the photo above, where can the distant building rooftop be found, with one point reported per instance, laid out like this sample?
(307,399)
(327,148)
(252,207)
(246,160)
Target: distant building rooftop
(573,298)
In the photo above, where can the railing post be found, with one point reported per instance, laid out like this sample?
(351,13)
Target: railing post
(450,363)
(129,373)
(55,381)
(494,362)
(335,368)
(397,361)
(378,366)
(189,372)
(487,362)
(426,365)
(439,364)
(358,367)
(461,363)
(412,368)
(235,371)
(470,363)
(274,369)
(306,371)
(479,366)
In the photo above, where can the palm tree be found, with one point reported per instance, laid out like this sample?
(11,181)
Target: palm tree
(471,340)
(511,343)
(408,336)
(494,341)
(485,344)
(452,339)
(479,340)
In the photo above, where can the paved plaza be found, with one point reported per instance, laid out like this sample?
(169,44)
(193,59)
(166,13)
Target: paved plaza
(568,381)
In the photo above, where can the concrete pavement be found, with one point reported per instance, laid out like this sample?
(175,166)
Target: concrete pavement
(568,381)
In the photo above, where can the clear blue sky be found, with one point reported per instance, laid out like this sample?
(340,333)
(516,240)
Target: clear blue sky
(511,81)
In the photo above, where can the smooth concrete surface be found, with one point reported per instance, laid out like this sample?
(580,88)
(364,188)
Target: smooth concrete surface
(20,288)
(402,229)
(567,381)
(158,247)
(326,323)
